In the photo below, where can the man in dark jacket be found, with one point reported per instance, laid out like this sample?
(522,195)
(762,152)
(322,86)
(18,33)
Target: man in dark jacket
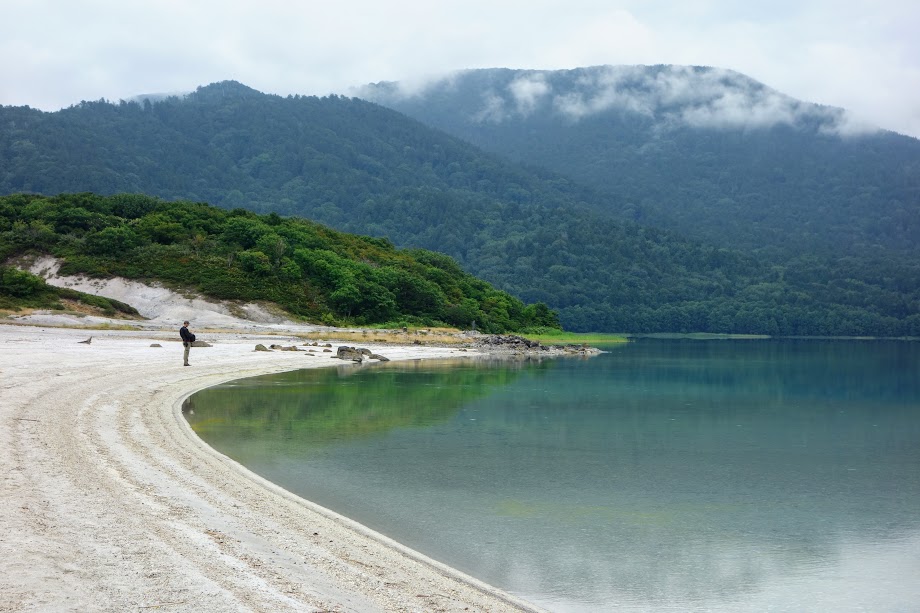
(187,339)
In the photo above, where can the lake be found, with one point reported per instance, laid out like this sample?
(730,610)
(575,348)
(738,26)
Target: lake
(666,475)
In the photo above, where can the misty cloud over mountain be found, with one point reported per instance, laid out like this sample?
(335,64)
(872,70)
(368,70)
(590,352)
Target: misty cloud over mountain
(706,152)
(671,96)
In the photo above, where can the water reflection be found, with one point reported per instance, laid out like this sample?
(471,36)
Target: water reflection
(295,411)
(721,574)
(667,475)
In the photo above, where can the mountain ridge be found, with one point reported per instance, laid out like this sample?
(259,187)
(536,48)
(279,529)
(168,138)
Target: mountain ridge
(714,96)
(706,152)
(363,168)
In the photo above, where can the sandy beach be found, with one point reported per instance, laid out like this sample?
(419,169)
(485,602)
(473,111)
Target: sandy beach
(110,502)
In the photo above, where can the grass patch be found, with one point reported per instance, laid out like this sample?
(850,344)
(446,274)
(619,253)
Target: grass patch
(69,326)
(105,326)
(703,336)
(421,336)
(452,336)
(575,338)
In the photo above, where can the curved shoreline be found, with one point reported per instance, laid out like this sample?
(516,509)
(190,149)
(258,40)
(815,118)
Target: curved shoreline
(112,502)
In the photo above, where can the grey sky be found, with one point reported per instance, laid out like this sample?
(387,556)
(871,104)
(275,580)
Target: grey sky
(863,55)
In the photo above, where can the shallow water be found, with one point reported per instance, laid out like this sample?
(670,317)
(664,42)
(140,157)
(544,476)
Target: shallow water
(663,475)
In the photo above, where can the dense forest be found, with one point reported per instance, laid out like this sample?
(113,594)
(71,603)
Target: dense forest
(709,153)
(307,269)
(540,236)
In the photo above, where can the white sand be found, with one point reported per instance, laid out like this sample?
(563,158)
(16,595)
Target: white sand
(160,305)
(109,501)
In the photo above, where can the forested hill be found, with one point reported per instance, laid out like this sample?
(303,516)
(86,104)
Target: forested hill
(363,168)
(230,145)
(709,153)
(305,268)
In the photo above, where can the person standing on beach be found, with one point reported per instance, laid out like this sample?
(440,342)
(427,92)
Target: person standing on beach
(187,339)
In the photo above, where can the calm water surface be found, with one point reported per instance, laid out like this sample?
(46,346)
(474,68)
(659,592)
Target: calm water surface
(663,475)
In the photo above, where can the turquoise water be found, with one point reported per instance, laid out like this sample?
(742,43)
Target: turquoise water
(663,475)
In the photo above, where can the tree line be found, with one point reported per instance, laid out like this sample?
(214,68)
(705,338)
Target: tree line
(308,269)
(364,169)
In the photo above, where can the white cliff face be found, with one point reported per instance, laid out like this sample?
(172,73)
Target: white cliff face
(159,304)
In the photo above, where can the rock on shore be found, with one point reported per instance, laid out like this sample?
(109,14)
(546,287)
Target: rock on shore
(510,343)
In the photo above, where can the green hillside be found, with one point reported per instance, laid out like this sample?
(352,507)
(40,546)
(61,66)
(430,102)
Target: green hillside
(305,268)
(708,153)
(366,169)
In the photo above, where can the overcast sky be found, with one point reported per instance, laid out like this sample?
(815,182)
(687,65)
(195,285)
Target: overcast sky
(862,55)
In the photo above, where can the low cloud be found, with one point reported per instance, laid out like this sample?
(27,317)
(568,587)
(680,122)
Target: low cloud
(418,85)
(727,99)
(494,110)
(604,88)
(520,98)
(528,91)
(672,95)
(848,124)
